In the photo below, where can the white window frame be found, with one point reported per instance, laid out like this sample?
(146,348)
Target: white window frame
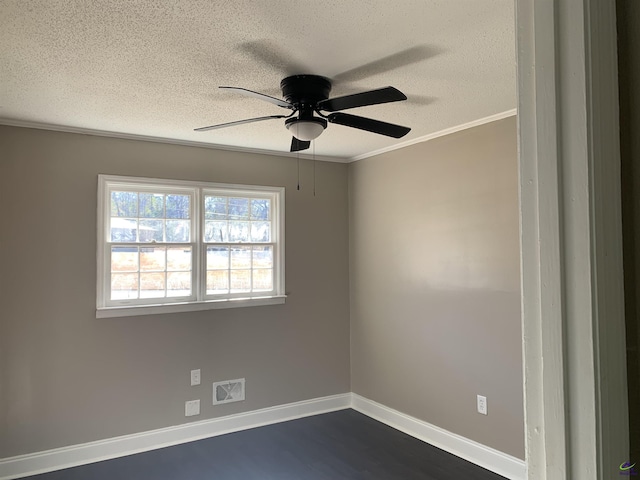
(199,300)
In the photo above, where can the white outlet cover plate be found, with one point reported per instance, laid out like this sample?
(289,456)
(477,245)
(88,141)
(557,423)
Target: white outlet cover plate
(482,405)
(191,408)
(195,377)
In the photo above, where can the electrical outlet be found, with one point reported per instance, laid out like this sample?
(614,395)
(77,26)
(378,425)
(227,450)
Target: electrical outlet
(195,377)
(191,408)
(482,405)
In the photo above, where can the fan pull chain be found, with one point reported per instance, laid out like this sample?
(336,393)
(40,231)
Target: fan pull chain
(314,168)
(298,170)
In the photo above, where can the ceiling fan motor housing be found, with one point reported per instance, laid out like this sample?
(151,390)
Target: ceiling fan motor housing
(305,90)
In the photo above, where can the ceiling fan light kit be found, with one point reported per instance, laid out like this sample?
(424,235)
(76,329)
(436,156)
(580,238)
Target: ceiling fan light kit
(306,129)
(308,95)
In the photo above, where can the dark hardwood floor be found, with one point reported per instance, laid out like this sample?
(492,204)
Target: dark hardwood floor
(331,446)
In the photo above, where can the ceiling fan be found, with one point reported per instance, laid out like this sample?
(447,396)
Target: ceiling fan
(308,95)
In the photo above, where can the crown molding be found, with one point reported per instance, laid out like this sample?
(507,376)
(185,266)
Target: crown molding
(441,133)
(213,146)
(172,141)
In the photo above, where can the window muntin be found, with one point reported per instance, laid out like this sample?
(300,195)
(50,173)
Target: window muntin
(140,272)
(148,216)
(167,242)
(238,233)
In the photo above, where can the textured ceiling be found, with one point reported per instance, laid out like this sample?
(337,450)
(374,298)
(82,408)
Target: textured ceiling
(152,68)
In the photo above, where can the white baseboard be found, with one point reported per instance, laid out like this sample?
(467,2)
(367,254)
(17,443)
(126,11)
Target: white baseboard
(59,458)
(74,455)
(486,457)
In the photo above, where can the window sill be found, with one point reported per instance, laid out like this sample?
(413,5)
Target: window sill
(130,311)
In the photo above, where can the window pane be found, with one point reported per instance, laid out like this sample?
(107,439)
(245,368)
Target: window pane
(260,209)
(260,231)
(124,286)
(216,231)
(241,257)
(152,285)
(240,280)
(179,258)
(152,259)
(178,206)
(238,231)
(217,258)
(263,257)
(238,208)
(124,229)
(217,282)
(124,204)
(178,284)
(215,208)
(151,205)
(178,230)
(263,279)
(124,259)
(151,230)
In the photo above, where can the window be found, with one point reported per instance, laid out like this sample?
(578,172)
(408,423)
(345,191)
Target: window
(170,246)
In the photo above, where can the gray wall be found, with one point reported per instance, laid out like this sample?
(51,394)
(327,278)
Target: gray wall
(431,266)
(435,283)
(67,377)
(629,79)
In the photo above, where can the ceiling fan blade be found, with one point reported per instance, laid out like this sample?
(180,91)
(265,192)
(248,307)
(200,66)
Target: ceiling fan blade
(297,145)
(261,96)
(368,124)
(371,97)
(239,122)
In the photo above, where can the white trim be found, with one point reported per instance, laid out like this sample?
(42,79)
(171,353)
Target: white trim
(199,300)
(546,445)
(113,312)
(440,133)
(232,188)
(572,311)
(486,457)
(171,141)
(305,156)
(74,455)
(65,457)
(606,236)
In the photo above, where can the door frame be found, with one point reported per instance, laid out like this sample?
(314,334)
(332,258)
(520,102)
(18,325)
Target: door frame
(574,351)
